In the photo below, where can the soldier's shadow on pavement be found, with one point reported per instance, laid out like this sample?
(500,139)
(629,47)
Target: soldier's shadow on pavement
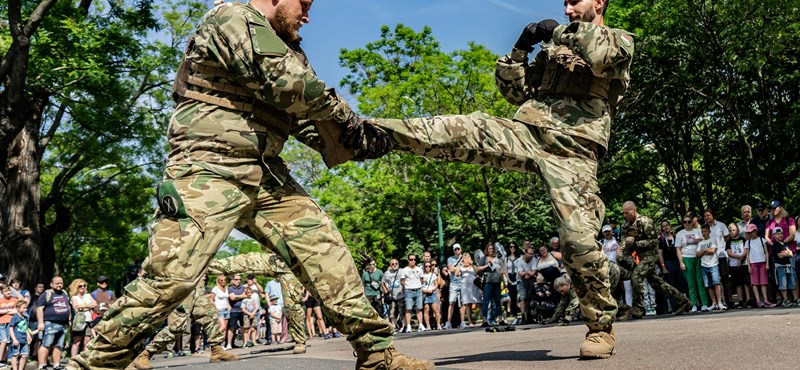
(532,355)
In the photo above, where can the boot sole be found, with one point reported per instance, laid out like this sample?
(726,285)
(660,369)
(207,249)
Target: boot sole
(599,355)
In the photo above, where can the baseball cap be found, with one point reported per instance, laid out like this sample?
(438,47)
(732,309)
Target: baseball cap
(775,204)
(251,277)
(760,205)
(751,228)
(777,229)
(273,296)
(612,220)
(456,246)
(102,279)
(606,228)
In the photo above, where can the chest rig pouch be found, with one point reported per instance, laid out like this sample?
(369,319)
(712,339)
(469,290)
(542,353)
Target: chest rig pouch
(567,74)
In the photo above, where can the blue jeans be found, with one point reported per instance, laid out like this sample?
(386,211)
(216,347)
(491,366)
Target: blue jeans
(413,299)
(54,334)
(785,277)
(710,276)
(491,294)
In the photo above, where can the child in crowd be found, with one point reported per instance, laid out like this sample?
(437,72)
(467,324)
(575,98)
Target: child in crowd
(757,264)
(275,316)
(8,308)
(784,267)
(737,255)
(709,267)
(20,337)
(250,306)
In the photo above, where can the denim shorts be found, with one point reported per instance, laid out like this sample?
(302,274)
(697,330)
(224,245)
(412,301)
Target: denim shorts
(4,336)
(431,298)
(21,350)
(53,335)
(710,276)
(224,314)
(413,299)
(785,277)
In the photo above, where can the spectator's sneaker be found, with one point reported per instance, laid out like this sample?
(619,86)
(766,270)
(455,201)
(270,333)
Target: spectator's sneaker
(337,335)
(485,324)
(390,359)
(463,325)
(59,367)
(694,309)
(421,328)
(439,327)
(705,308)
(515,322)
(227,348)
(786,303)
(598,344)
(142,362)
(769,304)
(721,307)
(650,312)
(447,326)
(797,302)
(327,336)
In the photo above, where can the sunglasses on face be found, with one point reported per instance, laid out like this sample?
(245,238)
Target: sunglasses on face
(412,259)
(687,222)
(82,286)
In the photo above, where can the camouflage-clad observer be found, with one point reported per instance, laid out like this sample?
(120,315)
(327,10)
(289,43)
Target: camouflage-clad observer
(567,95)
(243,88)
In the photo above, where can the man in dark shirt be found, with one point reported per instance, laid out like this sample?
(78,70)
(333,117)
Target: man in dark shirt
(53,316)
(235,295)
(668,257)
(102,295)
(761,219)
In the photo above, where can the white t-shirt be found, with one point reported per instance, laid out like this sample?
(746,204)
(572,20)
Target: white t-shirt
(708,260)
(523,266)
(737,249)
(392,281)
(610,248)
(687,241)
(275,310)
(220,298)
(83,301)
(756,247)
(718,232)
(412,277)
(549,261)
(429,281)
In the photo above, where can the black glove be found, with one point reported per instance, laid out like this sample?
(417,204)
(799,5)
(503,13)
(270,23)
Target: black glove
(535,33)
(354,132)
(368,140)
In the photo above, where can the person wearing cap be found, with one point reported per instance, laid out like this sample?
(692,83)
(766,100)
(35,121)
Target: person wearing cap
(784,266)
(275,318)
(614,226)
(454,266)
(102,295)
(686,242)
(757,264)
(780,219)
(762,218)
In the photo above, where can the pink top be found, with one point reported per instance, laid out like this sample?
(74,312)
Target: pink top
(785,223)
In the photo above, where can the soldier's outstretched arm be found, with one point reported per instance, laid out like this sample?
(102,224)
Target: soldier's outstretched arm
(256,263)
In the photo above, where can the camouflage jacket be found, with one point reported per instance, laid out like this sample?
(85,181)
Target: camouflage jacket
(639,236)
(607,51)
(238,39)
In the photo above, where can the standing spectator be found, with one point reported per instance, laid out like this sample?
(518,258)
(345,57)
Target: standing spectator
(53,314)
(219,295)
(19,294)
(82,306)
(721,235)
(781,219)
(470,294)
(274,287)
(747,218)
(394,295)
(256,292)
(430,280)
(614,227)
(784,271)
(709,265)
(686,242)
(411,279)
(20,336)
(427,257)
(454,264)
(737,256)
(611,249)
(526,276)
(491,267)
(757,264)
(372,277)
(668,258)
(762,219)
(102,295)
(275,318)
(511,282)
(313,308)
(33,320)
(235,296)
(8,309)
(250,307)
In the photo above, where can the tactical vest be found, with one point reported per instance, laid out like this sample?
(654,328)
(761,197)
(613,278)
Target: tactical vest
(567,74)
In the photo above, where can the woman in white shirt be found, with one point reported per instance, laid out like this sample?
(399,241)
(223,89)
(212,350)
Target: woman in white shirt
(430,280)
(82,304)
(470,294)
(548,265)
(219,295)
(686,242)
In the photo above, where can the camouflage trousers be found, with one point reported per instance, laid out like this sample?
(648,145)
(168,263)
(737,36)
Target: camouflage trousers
(646,269)
(567,165)
(616,275)
(270,265)
(567,306)
(197,307)
(280,215)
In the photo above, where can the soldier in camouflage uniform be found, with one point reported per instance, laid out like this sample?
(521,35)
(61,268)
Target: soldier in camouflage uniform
(270,265)
(243,88)
(196,307)
(639,235)
(567,95)
(569,302)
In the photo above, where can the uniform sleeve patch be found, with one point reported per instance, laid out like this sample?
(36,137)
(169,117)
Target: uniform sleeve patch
(626,40)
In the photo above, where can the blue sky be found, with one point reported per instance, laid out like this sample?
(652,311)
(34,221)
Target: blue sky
(351,24)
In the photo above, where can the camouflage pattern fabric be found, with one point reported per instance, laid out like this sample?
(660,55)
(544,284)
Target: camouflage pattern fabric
(560,138)
(226,172)
(616,276)
(197,307)
(567,306)
(270,265)
(646,269)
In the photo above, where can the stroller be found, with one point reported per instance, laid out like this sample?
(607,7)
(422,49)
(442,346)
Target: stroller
(543,300)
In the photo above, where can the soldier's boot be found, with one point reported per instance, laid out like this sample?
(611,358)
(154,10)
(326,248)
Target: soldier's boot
(219,354)
(390,359)
(683,307)
(142,362)
(299,348)
(599,344)
(624,313)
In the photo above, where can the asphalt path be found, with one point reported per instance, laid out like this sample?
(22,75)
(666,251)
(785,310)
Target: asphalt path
(735,339)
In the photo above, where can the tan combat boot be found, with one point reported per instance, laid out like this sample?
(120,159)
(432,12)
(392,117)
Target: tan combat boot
(390,359)
(598,344)
(218,354)
(299,348)
(630,313)
(142,362)
(683,307)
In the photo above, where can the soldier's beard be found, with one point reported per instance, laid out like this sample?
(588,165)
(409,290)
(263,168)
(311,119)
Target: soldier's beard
(589,16)
(287,28)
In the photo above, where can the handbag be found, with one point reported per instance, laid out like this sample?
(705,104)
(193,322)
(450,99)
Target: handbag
(478,281)
(79,322)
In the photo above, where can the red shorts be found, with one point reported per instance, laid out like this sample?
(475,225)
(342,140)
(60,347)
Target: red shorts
(758,273)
